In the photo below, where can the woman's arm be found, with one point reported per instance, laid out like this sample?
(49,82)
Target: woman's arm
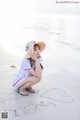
(38,70)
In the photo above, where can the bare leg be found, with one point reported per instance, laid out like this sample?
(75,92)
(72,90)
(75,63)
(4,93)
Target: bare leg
(29,82)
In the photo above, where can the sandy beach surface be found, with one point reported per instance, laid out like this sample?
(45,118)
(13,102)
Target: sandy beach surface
(59,91)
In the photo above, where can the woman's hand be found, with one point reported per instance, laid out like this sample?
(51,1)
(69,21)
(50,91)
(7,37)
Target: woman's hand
(34,57)
(39,59)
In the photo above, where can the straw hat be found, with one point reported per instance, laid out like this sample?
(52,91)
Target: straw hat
(30,47)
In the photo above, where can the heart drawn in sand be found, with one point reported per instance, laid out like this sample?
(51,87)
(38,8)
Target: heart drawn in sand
(58,95)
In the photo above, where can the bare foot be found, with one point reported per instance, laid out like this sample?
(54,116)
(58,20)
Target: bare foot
(31,90)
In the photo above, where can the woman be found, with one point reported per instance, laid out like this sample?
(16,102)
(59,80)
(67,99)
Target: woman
(30,71)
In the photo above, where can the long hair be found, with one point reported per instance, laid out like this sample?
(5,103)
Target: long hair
(32,62)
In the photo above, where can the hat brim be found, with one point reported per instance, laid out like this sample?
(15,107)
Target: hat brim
(42,46)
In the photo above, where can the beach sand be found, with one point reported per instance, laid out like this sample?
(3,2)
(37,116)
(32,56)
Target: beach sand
(58,96)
